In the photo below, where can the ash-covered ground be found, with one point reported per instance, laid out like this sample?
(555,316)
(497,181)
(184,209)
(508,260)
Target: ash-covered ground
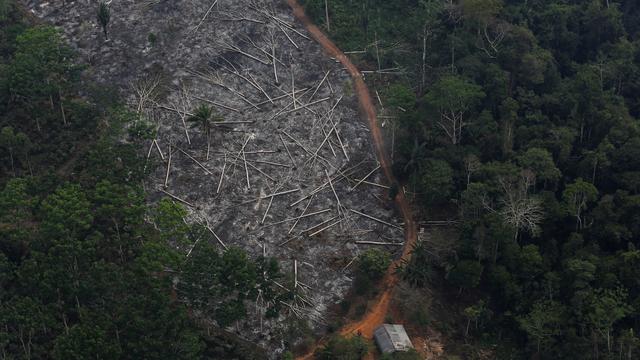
(291,142)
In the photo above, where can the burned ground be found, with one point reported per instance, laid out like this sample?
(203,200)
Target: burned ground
(291,142)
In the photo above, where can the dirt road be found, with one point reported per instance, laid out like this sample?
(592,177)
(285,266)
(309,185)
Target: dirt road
(377,312)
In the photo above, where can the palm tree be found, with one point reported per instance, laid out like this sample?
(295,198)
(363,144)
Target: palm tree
(104,15)
(204,117)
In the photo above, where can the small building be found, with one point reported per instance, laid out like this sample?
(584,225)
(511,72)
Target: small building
(391,338)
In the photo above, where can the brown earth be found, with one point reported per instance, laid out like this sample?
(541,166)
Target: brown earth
(377,312)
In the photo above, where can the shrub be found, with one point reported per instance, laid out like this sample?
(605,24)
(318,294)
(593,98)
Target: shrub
(402,355)
(466,274)
(373,263)
(341,348)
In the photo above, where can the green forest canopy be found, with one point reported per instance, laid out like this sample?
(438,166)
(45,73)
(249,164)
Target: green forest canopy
(522,116)
(87,268)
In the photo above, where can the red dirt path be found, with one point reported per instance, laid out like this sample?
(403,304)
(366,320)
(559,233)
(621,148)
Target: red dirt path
(378,311)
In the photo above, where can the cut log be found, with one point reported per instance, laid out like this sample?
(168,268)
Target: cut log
(205,16)
(261,172)
(152,144)
(379,243)
(246,169)
(240,51)
(270,163)
(287,35)
(166,178)
(306,106)
(267,211)
(155,141)
(326,227)
(283,144)
(335,131)
(295,273)
(196,161)
(315,191)
(365,178)
(318,225)
(216,236)
(319,84)
(222,174)
(298,219)
(350,262)
(375,219)
(216,104)
(374,184)
(334,192)
(274,59)
(280,193)
(177,198)
(297,143)
(283,96)
(329,142)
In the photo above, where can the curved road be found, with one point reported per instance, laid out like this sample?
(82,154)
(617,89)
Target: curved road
(378,311)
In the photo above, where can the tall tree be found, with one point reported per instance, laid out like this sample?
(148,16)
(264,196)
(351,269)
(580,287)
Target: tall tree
(204,117)
(436,180)
(606,307)
(543,322)
(475,313)
(540,162)
(5,6)
(10,141)
(577,196)
(104,16)
(66,213)
(453,97)
(508,118)
(16,213)
(41,71)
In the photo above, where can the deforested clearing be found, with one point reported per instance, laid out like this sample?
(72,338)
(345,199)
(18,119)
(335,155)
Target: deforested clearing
(286,170)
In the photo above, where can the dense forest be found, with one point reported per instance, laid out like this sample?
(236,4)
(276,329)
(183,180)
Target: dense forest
(87,268)
(520,119)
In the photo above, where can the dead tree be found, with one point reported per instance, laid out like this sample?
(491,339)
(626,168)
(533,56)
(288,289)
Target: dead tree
(519,209)
(471,165)
(489,38)
(146,91)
